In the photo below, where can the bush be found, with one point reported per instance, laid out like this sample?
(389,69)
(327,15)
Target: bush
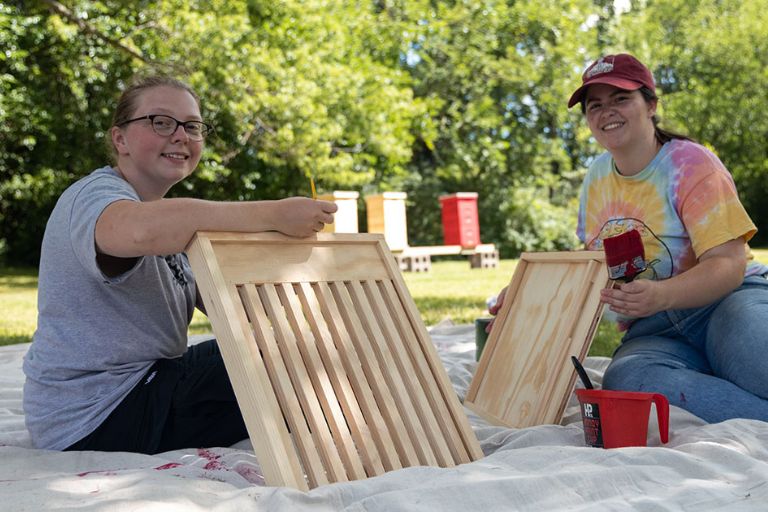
(532,223)
(26,202)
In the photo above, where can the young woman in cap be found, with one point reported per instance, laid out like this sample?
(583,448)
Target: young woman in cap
(109,368)
(696,318)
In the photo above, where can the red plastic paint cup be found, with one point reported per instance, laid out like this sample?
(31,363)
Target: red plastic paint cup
(613,419)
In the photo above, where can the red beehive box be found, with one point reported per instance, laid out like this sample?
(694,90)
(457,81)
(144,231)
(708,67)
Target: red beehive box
(460,222)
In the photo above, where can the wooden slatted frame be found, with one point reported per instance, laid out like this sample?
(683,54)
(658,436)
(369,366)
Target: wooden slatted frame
(550,311)
(331,364)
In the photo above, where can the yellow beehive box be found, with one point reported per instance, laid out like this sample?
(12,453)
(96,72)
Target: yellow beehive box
(345,218)
(386,215)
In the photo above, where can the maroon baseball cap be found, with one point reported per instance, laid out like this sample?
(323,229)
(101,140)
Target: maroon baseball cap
(621,70)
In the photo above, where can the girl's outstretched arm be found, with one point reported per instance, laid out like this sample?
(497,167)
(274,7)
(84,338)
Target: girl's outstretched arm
(127,229)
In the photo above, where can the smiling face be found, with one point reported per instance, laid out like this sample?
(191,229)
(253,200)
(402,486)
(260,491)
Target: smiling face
(618,118)
(150,162)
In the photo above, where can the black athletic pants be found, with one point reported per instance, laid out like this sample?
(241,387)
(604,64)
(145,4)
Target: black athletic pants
(187,402)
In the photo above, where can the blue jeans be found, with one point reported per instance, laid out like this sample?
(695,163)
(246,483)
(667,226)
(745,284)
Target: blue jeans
(711,361)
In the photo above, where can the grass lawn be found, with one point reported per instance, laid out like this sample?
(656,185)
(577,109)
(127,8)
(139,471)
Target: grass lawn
(18,303)
(450,290)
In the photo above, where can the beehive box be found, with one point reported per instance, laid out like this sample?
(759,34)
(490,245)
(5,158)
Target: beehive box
(461,225)
(345,218)
(386,215)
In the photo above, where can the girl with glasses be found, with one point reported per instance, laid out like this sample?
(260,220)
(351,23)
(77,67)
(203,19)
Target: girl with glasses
(109,367)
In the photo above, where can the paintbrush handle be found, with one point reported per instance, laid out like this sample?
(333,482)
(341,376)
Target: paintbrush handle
(582,373)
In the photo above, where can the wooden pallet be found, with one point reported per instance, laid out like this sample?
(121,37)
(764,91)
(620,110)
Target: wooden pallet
(551,310)
(333,369)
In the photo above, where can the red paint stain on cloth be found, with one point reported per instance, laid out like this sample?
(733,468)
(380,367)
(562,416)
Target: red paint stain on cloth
(212,458)
(170,465)
(250,473)
(102,472)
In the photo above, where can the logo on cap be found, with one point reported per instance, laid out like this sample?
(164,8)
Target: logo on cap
(600,67)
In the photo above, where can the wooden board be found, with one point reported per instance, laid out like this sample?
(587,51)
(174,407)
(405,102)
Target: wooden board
(550,312)
(331,364)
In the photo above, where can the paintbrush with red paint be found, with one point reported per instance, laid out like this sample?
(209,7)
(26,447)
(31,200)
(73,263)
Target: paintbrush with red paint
(624,255)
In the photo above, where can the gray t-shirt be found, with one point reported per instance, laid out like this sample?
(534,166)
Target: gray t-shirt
(96,336)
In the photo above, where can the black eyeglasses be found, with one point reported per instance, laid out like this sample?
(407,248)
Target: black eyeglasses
(167,125)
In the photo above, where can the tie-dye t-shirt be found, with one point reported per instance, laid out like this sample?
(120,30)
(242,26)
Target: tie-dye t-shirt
(682,204)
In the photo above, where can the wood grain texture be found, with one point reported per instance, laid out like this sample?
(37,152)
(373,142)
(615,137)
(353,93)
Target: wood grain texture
(550,311)
(333,369)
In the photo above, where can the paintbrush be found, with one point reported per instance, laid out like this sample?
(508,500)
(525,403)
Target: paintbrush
(582,373)
(624,255)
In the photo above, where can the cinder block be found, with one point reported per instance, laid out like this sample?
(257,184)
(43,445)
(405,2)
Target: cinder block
(484,259)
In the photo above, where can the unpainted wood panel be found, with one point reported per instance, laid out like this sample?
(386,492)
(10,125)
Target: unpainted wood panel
(549,313)
(339,365)
(294,262)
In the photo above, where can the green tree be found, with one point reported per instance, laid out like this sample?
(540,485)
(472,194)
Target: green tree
(496,78)
(709,58)
(426,96)
(292,90)
(55,87)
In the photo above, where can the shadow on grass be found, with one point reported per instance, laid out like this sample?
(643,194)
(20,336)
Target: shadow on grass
(13,339)
(18,278)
